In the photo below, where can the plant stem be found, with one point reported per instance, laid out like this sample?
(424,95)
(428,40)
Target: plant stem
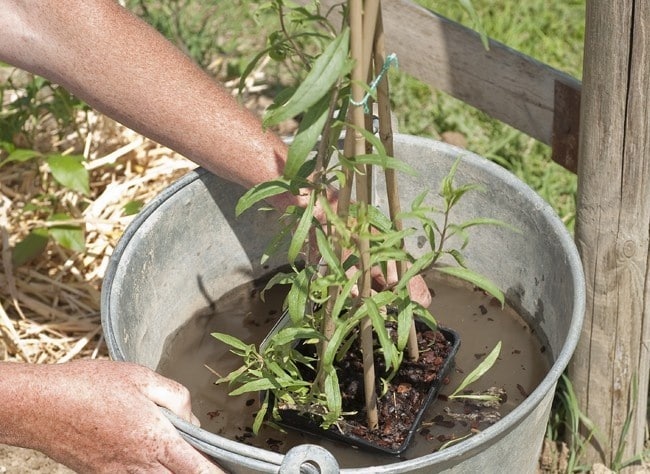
(289,37)
(386,136)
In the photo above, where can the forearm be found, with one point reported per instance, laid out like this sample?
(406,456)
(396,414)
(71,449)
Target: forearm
(16,382)
(130,72)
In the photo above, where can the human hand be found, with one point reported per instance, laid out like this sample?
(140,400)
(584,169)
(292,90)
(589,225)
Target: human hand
(418,289)
(104,416)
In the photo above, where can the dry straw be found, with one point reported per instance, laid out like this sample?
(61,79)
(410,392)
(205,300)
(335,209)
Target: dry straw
(49,307)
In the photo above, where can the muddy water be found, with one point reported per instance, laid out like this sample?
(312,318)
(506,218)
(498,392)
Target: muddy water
(480,323)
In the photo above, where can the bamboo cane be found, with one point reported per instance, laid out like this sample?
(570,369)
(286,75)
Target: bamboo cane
(357,119)
(386,136)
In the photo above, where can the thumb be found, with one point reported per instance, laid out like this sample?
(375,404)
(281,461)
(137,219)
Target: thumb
(169,394)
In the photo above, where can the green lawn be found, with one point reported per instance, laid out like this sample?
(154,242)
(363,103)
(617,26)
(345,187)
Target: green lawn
(552,31)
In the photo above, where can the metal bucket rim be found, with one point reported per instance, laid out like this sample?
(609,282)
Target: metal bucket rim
(201,438)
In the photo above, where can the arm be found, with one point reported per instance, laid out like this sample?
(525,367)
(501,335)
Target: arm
(97,416)
(125,69)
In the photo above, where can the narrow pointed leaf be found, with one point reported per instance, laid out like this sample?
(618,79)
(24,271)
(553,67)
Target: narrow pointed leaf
(329,66)
(261,414)
(333,392)
(261,191)
(328,254)
(20,155)
(255,386)
(308,133)
(479,371)
(416,268)
(291,334)
(298,297)
(379,327)
(302,232)
(475,279)
(232,341)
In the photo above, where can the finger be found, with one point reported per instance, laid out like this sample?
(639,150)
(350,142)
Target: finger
(180,456)
(419,291)
(391,273)
(169,394)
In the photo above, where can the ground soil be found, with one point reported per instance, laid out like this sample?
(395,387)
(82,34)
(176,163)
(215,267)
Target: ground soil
(407,392)
(15,460)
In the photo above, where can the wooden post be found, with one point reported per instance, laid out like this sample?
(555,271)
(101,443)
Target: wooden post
(612,224)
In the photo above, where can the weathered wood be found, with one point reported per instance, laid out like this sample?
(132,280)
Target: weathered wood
(566,126)
(502,82)
(613,219)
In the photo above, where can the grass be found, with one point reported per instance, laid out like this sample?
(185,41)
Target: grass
(549,31)
(224,40)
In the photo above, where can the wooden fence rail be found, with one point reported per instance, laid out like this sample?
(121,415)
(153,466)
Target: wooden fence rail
(506,84)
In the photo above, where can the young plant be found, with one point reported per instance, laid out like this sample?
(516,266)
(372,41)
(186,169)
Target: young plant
(331,302)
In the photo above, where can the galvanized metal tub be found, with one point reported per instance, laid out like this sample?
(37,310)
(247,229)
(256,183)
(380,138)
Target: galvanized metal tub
(187,241)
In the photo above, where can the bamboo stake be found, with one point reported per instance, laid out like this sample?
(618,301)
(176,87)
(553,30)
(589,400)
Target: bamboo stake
(370,15)
(357,118)
(386,136)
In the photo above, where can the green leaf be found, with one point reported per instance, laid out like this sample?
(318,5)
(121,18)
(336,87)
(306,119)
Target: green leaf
(20,155)
(298,297)
(447,184)
(254,386)
(328,254)
(479,371)
(404,322)
(460,259)
(30,247)
(346,290)
(309,131)
(249,68)
(476,279)
(327,69)
(371,138)
(425,316)
(378,219)
(261,191)
(132,207)
(232,341)
(302,231)
(67,235)
(261,414)
(416,268)
(333,392)
(341,331)
(280,278)
(379,327)
(478,24)
(293,334)
(70,172)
